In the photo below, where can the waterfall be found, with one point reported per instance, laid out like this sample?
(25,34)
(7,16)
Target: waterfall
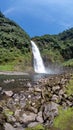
(37,59)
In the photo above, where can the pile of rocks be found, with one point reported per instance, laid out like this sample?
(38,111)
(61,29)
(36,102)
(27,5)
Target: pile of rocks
(38,104)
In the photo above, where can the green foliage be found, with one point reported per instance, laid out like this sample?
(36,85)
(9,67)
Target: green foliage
(65,120)
(14,41)
(69,88)
(7,67)
(8,112)
(37,127)
(68,63)
(57,47)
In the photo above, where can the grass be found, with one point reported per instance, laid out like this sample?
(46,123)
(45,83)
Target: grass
(37,127)
(68,63)
(21,63)
(6,67)
(64,121)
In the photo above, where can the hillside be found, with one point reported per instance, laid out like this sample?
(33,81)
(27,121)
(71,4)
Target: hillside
(56,48)
(15,47)
(14,42)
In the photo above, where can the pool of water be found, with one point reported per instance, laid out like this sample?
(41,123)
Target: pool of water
(19,80)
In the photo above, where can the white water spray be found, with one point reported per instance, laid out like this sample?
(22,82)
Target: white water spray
(38,62)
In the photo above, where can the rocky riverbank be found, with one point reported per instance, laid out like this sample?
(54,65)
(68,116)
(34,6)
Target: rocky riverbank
(37,103)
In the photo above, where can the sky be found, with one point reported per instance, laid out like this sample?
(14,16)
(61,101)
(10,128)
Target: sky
(39,17)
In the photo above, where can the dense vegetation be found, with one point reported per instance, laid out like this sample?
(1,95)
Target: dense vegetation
(15,46)
(57,48)
(14,42)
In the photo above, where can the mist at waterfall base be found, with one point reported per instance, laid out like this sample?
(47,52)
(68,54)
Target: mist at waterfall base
(38,64)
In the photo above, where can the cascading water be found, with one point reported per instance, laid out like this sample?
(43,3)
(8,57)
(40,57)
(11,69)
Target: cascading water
(38,62)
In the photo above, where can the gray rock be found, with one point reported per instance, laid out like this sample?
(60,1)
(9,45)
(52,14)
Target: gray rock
(68,103)
(61,92)
(8,81)
(33,124)
(11,104)
(33,110)
(22,103)
(22,96)
(56,88)
(49,123)
(18,126)
(10,118)
(50,110)
(27,117)
(29,85)
(8,126)
(0,89)
(37,90)
(16,97)
(55,98)
(39,117)
(17,113)
(8,93)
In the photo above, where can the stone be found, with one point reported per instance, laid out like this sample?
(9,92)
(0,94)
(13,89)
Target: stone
(33,124)
(33,109)
(50,110)
(11,104)
(68,103)
(0,89)
(8,126)
(22,103)
(37,90)
(18,126)
(16,97)
(55,98)
(29,96)
(49,123)
(29,85)
(10,118)
(8,81)
(55,88)
(22,96)
(39,117)
(61,92)
(27,117)
(8,93)
(17,113)
(33,103)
